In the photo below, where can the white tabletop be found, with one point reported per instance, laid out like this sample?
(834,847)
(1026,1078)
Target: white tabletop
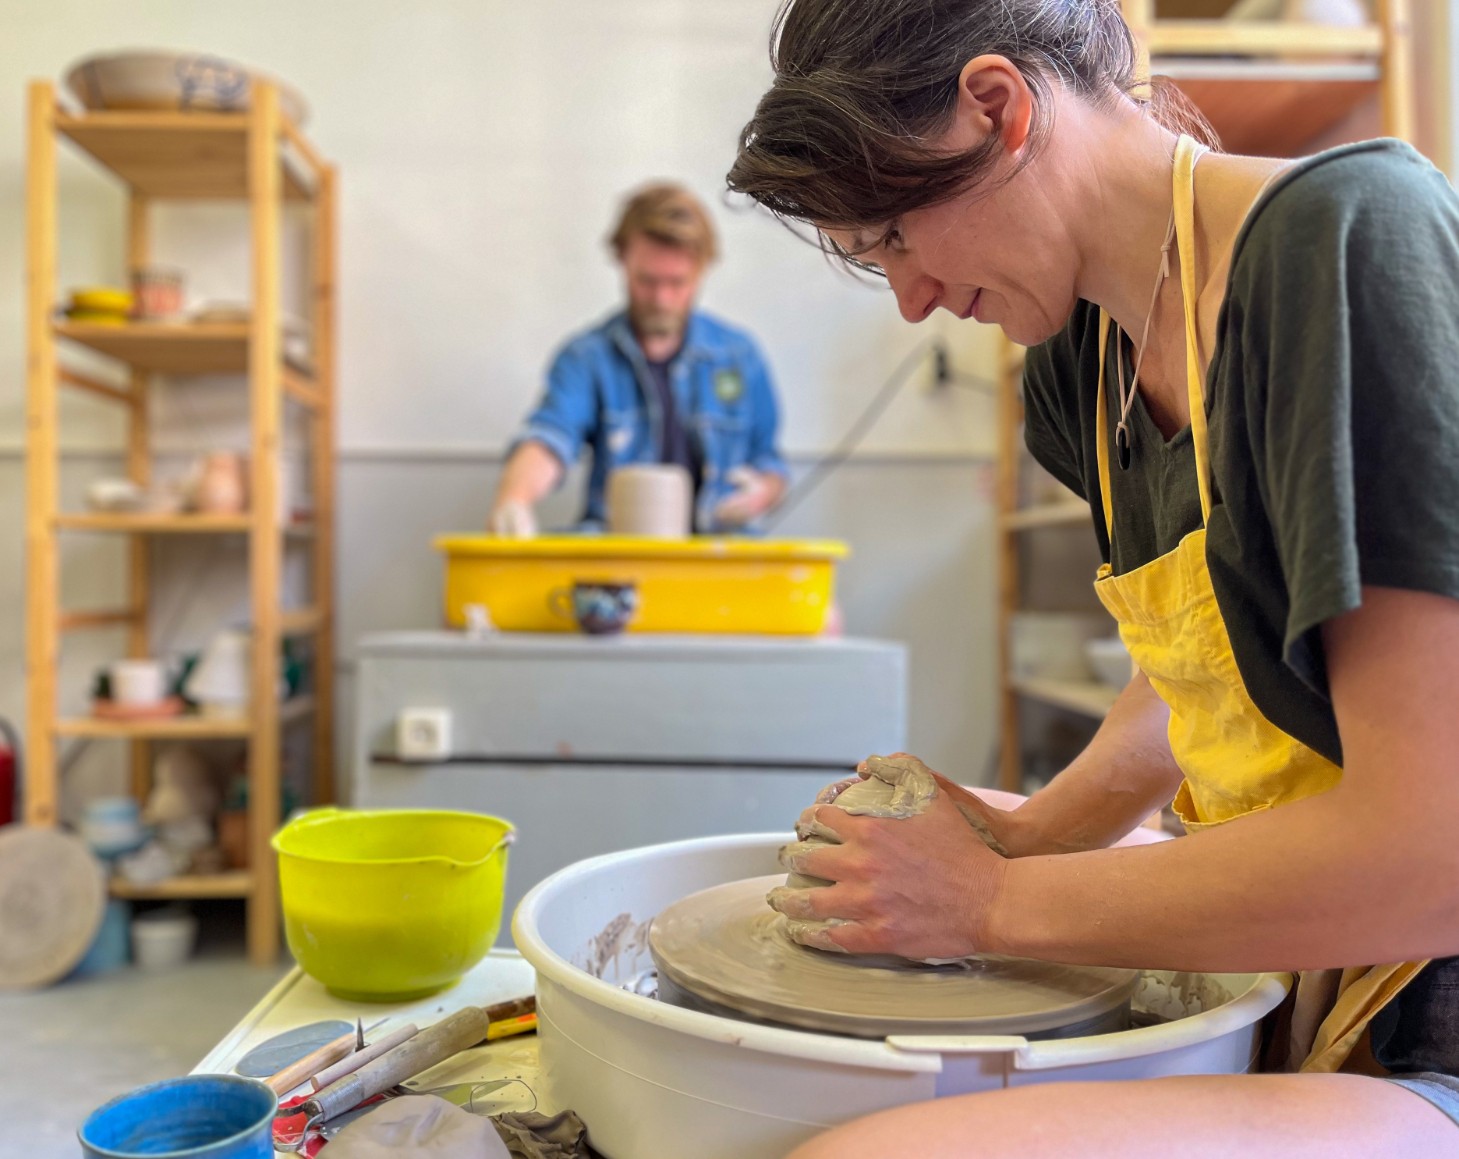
(298,1000)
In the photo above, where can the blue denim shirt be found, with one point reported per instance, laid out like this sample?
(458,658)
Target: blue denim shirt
(599,396)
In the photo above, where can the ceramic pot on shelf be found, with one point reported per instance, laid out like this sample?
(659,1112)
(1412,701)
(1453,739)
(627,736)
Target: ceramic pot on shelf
(222,484)
(220,682)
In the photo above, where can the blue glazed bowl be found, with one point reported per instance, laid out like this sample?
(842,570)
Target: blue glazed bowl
(207,1116)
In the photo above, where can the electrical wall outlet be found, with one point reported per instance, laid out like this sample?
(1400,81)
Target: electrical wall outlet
(423,734)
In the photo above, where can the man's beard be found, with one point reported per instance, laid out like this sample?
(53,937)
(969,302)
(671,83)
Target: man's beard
(657,323)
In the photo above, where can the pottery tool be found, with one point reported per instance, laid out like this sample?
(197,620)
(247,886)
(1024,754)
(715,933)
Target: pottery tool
(450,1036)
(314,1062)
(352,1062)
(293,1135)
(474,1098)
(270,1057)
(526,1024)
(724,951)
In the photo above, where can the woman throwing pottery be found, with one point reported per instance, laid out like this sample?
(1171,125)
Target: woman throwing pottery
(1250,368)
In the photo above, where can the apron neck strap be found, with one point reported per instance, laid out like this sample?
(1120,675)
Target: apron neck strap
(1187,153)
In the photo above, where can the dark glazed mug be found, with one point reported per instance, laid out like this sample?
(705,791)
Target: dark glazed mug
(598,607)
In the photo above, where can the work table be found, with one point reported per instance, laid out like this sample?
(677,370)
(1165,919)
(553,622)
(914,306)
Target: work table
(298,1000)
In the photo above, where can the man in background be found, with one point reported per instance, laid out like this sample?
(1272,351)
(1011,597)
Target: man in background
(658,382)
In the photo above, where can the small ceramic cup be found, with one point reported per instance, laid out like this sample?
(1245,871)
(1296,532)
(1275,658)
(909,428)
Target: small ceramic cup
(157,293)
(598,607)
(139,682)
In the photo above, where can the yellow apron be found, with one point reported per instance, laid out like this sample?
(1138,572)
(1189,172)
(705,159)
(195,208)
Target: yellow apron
(1235,761)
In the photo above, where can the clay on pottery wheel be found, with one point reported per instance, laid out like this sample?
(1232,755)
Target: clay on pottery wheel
(724,951)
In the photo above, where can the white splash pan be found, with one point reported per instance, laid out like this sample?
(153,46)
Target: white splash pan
(654,1081)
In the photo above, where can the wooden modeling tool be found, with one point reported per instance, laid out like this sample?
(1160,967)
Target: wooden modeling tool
(289,1047)
(314,1062)
(352,1062)
(461,1031)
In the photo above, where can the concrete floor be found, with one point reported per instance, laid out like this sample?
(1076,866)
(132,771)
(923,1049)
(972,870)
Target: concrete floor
(68,1049)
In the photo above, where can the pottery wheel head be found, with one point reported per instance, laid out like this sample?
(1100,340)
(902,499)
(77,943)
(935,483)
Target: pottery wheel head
(727,949)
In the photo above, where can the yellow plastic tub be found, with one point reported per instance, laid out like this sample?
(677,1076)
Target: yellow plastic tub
(390,905)
(759,587)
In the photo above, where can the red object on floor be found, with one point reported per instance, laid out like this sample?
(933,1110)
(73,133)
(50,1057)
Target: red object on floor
(7,786)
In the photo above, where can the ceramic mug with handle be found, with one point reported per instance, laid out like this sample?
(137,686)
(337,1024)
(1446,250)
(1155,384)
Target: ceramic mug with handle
(598,607)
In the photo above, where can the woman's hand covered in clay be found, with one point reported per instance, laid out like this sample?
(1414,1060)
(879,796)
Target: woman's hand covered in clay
(920,885)
(997,826)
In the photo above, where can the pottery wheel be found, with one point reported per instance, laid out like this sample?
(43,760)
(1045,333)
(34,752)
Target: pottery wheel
(725,947)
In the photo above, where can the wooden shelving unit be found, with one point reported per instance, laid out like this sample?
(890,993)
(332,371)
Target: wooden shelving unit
(1062,514)
(128,523)
(260,157)
(165,348)
(190,887)
(1268,88)
(1087,698)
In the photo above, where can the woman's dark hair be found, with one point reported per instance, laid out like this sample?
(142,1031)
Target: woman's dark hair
(861,86)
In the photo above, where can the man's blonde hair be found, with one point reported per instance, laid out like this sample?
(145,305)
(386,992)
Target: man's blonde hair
(668,214)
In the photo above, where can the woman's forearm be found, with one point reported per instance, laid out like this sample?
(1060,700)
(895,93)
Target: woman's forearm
(1124,775)
(1327,881)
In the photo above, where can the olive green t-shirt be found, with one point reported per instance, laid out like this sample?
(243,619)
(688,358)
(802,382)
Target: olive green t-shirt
(1333,404)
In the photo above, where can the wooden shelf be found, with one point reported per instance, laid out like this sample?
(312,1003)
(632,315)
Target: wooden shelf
(296,709)
(168,728)
(181,155)
(1061,514)
(1272,108)
(189,727)
(167,347)
(1087,698)
(1261,38)
(235,884)
(301,621)
(300,386)
(155,524)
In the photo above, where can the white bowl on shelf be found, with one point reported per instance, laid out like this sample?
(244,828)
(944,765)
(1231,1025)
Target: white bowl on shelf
(1110,661)
(1050,645)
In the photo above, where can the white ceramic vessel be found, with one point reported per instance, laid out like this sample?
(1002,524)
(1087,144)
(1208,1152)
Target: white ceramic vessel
(651,499)
(139,683)
(163,939)
(150,79)
(1110,661)
(655,1081)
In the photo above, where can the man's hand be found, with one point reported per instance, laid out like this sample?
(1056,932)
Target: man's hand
(512,519)
(756,493)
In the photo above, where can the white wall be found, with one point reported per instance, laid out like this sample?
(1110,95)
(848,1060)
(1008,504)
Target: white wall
(483,147)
